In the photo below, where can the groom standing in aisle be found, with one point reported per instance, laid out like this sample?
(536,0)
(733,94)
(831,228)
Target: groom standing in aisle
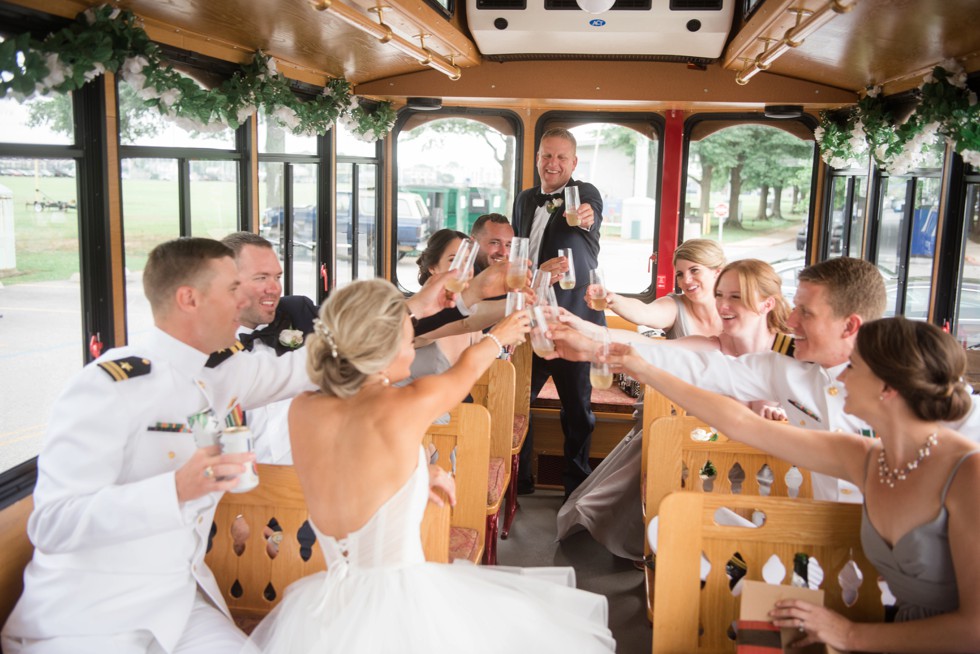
(539,214)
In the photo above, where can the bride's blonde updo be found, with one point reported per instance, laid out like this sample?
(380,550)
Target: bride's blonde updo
(357,335)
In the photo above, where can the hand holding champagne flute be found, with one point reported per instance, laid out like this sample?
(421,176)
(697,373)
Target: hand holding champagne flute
(572,203)
(599,372)
(540,343)
(517,270)
(567,280)
(461,268)
(597,290)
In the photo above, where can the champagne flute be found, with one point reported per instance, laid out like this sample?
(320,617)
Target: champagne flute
(515,302)
(597,290)
(572,203)
(462,265)
(517,268)
(540,343)
(567,280)
(599,372)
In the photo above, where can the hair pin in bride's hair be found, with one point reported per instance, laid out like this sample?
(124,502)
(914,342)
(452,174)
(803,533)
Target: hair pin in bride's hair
(322,331)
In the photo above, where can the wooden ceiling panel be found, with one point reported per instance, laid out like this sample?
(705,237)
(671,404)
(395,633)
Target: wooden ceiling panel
(887,42)
(290,30)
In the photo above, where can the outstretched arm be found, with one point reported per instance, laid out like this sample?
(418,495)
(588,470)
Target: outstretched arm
(433,395)
(660,314)
(483,315)
(835,454)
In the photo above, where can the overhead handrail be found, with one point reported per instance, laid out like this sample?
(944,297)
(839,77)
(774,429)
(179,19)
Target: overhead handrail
(384,34)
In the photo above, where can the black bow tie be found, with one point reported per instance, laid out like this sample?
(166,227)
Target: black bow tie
(266,335)
(544,198)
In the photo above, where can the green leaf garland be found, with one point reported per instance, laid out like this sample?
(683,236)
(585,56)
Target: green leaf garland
(947,109)
(107,38)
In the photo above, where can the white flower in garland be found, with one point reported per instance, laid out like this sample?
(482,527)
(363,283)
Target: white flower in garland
(58,72)
(287,117)
(858,141)
(170,97)
(244,112)
(97,69)
(91,16)
(913,154)
(132,72)
(271,70)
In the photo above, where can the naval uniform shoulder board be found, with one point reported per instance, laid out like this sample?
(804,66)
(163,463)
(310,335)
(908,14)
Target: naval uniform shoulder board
(126,368)
(784,344)
(221,356)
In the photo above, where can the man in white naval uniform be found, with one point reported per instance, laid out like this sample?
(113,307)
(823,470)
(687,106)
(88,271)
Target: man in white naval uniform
(125,497)
(833,300)
(268,321)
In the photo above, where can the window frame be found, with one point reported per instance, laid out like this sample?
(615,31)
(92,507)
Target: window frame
(404,115)
(576,118)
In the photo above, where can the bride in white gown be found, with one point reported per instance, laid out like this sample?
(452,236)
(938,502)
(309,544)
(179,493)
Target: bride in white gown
(357,451)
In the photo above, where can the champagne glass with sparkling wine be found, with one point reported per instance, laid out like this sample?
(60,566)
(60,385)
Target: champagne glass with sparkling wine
(517,268)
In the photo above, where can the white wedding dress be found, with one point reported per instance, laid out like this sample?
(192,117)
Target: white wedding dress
(379,595)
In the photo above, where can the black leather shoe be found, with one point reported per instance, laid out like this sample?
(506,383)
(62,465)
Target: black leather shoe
(525,489)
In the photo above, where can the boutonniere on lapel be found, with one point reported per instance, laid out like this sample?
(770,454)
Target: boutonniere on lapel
(553,204)
(291,338)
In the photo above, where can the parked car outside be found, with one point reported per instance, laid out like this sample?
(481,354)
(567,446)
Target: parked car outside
(411,217)
(836,237)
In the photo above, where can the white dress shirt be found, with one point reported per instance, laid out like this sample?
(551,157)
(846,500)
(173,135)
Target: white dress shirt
(269,424)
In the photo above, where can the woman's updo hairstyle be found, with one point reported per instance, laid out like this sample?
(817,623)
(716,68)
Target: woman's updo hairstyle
(920,361)
(434,249)
(358,333)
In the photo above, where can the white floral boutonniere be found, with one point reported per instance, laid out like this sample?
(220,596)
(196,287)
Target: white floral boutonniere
(554,204)
(704,435)
(291,337)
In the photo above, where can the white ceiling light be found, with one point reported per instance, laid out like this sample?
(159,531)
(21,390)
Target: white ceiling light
(595,6)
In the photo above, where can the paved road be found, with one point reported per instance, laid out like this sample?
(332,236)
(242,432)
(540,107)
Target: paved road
(40,350)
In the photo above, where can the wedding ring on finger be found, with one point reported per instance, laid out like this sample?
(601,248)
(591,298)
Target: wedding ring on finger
(208,472)
(802,627)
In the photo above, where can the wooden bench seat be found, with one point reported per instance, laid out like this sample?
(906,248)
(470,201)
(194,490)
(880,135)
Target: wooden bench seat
(17,552)
(696,616)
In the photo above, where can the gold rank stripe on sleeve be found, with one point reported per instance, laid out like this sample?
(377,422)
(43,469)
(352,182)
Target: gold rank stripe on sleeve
(126,368)
(784,344)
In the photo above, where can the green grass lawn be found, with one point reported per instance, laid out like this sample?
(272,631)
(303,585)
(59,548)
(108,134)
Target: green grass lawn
(47,240)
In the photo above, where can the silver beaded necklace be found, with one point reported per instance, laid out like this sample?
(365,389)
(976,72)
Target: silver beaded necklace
(887,475)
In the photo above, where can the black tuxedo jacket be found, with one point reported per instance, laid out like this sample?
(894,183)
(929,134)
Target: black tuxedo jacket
(298,310)
(558,234)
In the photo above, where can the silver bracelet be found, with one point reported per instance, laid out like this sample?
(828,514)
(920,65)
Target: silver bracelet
(500,345)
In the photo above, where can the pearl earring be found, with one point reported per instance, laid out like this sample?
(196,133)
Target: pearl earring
(881,398)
